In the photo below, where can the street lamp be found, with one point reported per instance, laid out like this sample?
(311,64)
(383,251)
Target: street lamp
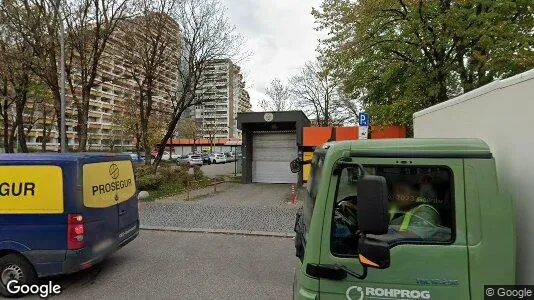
(62,132)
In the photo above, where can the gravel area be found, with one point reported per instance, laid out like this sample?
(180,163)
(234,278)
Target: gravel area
(251,207)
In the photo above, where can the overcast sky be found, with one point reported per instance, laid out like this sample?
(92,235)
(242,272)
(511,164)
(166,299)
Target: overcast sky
(279,35)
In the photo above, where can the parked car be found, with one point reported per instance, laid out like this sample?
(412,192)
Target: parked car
(134,157)
(218,158)
(195,160)
(166,155)
(230,157)
(190,160)
(206,159)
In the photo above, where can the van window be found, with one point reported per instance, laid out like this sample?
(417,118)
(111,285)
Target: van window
(420,207)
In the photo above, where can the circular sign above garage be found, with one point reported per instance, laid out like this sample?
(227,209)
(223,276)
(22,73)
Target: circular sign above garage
(268,117)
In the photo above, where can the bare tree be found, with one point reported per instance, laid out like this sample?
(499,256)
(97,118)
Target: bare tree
(15,61)
(37,23)
(206,35)
(150,45)
(318,95)
(279,97)
(45,115)
(6,105)
(90,26)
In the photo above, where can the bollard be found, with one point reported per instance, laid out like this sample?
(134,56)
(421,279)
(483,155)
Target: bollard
(214,185)
(187,187)
(293,194)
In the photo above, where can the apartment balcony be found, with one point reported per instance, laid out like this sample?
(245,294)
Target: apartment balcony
(107,125)
(94,125)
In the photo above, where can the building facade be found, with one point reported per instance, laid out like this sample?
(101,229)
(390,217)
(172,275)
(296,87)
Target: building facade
(223,95)
(113,99)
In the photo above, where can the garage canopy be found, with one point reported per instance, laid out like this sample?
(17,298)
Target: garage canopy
(273,151)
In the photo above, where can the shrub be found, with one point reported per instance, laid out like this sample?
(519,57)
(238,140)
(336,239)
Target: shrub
(197,173)
(174,174)
(149,182)
(142,170)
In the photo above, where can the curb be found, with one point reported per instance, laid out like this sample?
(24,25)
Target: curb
(218,231)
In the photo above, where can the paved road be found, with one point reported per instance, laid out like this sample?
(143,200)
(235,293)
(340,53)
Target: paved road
(171,265)
(249,207)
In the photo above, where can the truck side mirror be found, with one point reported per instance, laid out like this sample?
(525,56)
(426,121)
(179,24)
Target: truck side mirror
(295,165)
(373,253)
(372,205)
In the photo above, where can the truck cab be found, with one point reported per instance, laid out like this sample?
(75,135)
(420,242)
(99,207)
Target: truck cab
(403,219)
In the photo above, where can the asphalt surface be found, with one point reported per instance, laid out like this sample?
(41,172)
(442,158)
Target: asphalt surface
(215,170)
(172,265)
(248,207)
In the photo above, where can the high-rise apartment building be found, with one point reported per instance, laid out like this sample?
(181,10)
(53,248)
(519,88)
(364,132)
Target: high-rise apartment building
(109,98)
(223,95)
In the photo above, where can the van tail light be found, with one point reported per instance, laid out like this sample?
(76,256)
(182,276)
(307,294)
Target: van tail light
(75,232)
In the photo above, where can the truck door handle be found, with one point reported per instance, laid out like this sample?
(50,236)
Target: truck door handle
(122,212)
(326,271)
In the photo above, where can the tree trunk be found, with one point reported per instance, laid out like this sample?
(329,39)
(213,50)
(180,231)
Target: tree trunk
(170,130)
(12,137)
(442,80)
(82,132)
(144,140)
(83,116)
(21,133)
(137,142)
(19,110)
(8,146)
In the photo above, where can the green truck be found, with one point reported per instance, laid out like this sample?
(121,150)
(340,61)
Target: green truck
(434,217)
(348,246)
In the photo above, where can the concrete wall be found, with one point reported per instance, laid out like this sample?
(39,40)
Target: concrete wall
(502,114)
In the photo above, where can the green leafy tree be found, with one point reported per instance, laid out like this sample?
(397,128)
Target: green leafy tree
(400,56)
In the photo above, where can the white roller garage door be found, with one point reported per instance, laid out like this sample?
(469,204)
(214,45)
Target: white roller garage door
(272,153)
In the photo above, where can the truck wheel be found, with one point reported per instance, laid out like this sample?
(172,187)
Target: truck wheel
(15,267)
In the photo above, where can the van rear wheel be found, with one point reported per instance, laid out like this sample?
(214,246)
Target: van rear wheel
(15,267)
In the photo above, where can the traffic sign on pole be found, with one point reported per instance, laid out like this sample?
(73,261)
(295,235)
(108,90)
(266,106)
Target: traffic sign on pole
(363,122)
(363,119)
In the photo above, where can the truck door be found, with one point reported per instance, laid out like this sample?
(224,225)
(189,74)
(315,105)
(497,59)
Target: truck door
(428,249)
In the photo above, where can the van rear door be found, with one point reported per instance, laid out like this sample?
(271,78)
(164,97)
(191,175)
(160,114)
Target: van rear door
(109,196)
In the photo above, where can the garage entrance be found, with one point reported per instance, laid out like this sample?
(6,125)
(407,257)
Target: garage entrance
(271,140)
(273,151)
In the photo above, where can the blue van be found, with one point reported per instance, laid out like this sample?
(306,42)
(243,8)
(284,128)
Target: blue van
(61,213)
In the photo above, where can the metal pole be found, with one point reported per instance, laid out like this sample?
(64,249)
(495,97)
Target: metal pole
(62,82)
